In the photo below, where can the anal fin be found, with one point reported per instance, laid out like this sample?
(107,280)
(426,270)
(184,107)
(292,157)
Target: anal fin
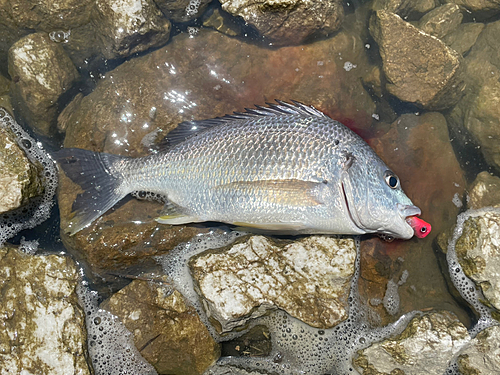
(173,214)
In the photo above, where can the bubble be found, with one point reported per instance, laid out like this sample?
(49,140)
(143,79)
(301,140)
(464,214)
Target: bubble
(60,36)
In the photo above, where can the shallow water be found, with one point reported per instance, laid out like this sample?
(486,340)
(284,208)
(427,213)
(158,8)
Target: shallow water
(199,63)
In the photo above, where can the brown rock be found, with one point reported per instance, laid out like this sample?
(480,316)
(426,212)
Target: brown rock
(167,332)
(222,22)
(484,191)
(125,27)
(41,72)
(442,20)
(485,7)
(288,22)
(418,150)
(419,69)
(464,37)
(405,8)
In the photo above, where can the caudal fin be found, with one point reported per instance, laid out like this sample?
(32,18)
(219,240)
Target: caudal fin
(99,180)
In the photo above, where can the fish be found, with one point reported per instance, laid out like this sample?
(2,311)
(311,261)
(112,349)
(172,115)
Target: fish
(282,168)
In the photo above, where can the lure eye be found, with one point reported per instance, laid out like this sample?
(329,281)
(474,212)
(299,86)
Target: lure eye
(391,179)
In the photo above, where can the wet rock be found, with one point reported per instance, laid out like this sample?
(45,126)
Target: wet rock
(43,327)
(19,180)
(126,27)
(464,37)
(426,346)
(418,149)
(41,72)
(167,332)
(481,355)
(4,85)
(182,10)
(222,22)
(442,20)
(484,191)
(288,22)
(405,8)
(147,96)
(419,69)
(484,7)
(49,15)
(476,117)
(478,253)
(309,279)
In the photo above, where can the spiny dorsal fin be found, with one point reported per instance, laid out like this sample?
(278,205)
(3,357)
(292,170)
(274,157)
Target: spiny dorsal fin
(188,129)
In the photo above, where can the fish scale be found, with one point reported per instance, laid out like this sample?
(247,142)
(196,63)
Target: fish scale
(284,168)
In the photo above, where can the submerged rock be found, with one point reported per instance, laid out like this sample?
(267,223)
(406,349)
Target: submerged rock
(144,98)
(41,73)
(125,27)
(405,8)
(426,346)
(478,252)
(484,191)
(442,20)
(20,178)
(418,149)
(288,22)
(309,279)
(487,8)
(43,327)
(481,356)
(182,10)
(167,332)
(419,69)
(464,37)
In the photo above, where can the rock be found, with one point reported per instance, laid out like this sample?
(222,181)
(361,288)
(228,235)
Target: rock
(147,96)
(288,22)
(309,279)
(167,332)
(43,327)
(4,85)
(405,8)
(49,15)
(481,356)
(487,7)
(182,10)
(418,149)
(41,73)
(484,191)
(464,37)
(126,27)
(222,22)
(442,20)
(426,346)
(20,179)
(419,69)
(478,253)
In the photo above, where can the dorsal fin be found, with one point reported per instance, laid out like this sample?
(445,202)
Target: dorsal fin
(188,129)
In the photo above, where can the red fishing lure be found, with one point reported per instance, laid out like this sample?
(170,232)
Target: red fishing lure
(420,227)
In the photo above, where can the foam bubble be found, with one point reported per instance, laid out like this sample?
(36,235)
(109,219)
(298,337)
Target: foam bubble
(110,344)
(37,210)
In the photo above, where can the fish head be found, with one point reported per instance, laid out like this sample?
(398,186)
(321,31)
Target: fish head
(375,199)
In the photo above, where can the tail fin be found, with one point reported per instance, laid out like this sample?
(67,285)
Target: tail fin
(100,181)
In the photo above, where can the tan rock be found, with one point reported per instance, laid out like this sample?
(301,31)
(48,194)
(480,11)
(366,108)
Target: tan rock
(464,37)
(419,69)
(478,252)
(404,8)
(19,180)
(309,278)
(487,7)
(481,355)
(41,72)
(43,327)
(426,346)
(167,332)
(484,191)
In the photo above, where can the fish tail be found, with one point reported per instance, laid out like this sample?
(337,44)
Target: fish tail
(101,182)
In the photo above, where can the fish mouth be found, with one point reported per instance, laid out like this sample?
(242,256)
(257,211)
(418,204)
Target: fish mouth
(408,210)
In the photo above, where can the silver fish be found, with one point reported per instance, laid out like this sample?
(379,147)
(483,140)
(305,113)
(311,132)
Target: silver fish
(286,168)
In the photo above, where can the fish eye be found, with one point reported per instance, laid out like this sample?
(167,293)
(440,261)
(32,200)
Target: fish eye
(391,179)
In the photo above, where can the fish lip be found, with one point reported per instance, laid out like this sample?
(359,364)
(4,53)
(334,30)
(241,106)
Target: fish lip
(407,210)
